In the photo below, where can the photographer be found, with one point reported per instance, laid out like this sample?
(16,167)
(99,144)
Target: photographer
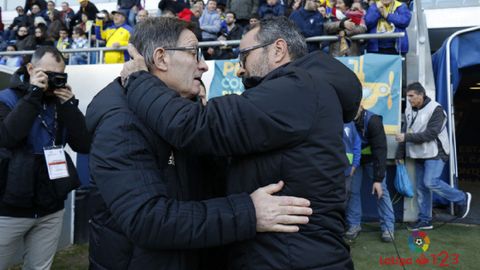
(38,115)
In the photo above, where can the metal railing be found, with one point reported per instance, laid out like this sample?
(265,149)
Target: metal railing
(102,50)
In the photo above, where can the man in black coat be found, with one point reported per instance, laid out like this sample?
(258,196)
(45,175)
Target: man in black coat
(34,116)
(288,125)
(147,212)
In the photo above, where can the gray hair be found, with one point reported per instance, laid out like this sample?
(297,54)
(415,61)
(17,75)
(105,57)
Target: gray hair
(281,27)
(154,33)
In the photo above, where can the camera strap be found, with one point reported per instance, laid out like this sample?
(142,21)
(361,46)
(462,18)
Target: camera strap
(51,131)
(55,154)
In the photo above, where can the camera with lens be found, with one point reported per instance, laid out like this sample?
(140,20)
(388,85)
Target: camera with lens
(56,80)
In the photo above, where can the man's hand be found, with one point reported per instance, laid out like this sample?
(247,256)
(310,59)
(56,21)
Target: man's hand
(400,137)
(278,213)
(136,63)
(64,94)
(349,25)
(352,172)
(377,188)
(116,45)
(39,79)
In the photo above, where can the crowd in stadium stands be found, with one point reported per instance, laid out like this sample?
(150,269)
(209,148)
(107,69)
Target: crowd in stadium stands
(40,23)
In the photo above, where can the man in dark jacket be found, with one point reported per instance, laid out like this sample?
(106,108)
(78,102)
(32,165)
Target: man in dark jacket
(37,120)
(147,213)
(288,125)
(310,22)
(372,170)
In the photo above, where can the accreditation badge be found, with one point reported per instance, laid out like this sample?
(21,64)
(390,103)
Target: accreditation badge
(56,162)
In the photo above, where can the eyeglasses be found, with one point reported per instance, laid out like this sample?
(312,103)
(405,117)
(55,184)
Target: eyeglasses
(243,54)
(196,49)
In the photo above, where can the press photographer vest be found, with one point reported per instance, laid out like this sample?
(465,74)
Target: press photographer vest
(417,122)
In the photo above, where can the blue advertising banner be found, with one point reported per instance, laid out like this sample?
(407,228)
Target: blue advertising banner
(381,78)
(380,75)
(225,80)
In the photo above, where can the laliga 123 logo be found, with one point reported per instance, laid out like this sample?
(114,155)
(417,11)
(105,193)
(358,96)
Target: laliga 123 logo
(418,241)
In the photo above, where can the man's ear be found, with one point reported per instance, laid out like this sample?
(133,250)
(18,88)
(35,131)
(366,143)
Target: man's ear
(281,51)
(30,69)
(160,59)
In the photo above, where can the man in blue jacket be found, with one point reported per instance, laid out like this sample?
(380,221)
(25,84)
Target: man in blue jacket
(149,208)
(38,116)
(287,125)
(309,21)
(372,169)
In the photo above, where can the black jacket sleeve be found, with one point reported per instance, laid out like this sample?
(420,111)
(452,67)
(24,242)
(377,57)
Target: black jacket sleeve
(378,143)
(228,125)
(73,120)
(434,127)
(16,123)
(126,173)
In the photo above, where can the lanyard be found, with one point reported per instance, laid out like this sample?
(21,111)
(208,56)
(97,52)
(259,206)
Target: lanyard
(414,117)
(51,132)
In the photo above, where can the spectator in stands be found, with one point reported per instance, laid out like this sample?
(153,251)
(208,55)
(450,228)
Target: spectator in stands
(272,8)
(55,25)
(309,21)
(129,7)
(24,41)
(346,23)
(187,13)
(229,31)
(86,7)
(252,22)
(11,60)
(210,21)
(372,171)
(80,41)
(42,5)
(66,14)
(63,42)
(35,13)
(388,16)
(107,18)
(40,20)
(295,5)
(41,37)
(284,3)
(244,9)
(160,223)
(142,15)
(38,119)
(424,139)
(115,36)
(21,19)
(51,11)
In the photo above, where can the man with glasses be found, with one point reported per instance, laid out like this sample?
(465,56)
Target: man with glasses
(287,125)
(150,206)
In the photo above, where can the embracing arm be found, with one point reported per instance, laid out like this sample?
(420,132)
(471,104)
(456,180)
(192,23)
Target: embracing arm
(132,187)
(229,125)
